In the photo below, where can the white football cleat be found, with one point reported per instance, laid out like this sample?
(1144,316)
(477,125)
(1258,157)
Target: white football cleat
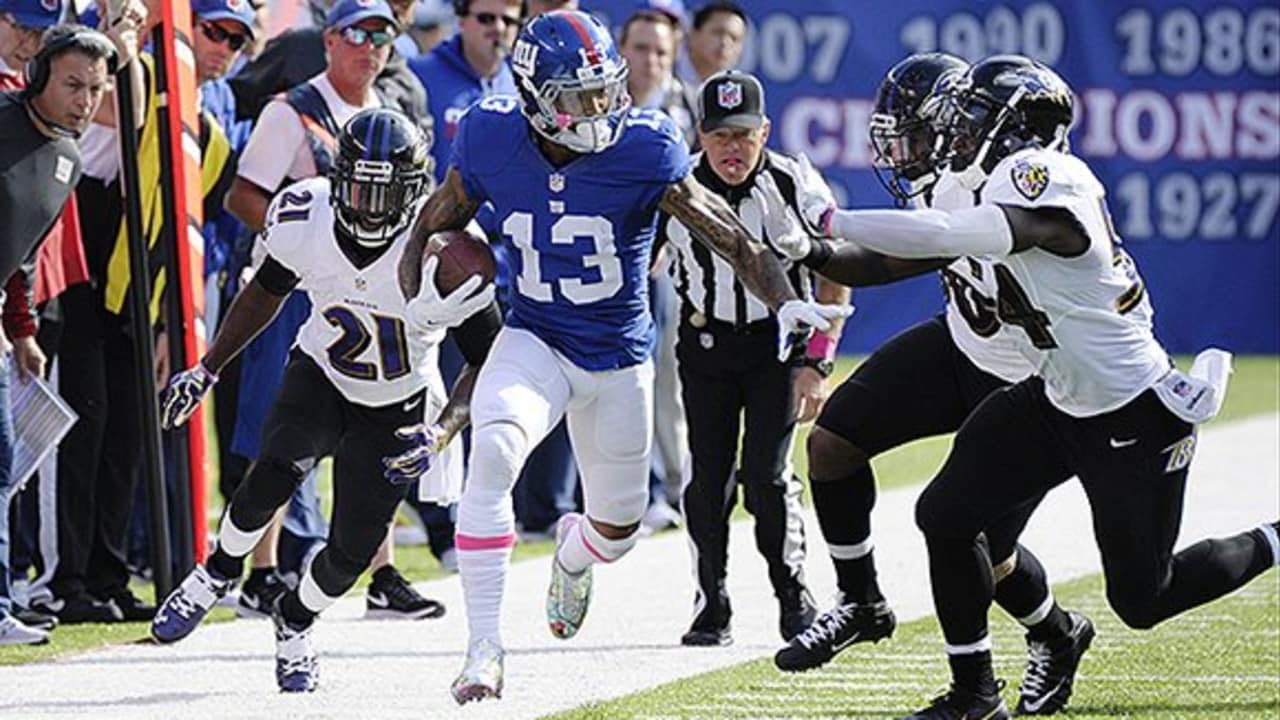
(481,676)
(570,593)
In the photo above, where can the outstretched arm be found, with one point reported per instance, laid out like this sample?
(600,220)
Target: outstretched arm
(711,220)
(850,264)
(448,208)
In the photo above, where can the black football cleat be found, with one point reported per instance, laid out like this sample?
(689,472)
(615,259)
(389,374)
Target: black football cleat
(1046,686)
(833,631)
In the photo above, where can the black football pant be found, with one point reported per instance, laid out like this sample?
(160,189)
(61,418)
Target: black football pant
(733,384)
(98,459)
(918,384)
(1133,464)
(309,421)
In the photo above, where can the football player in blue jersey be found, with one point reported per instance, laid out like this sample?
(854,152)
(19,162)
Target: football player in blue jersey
(576,178)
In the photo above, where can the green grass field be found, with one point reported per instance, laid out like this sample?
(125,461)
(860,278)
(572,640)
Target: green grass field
(1255,389)
(1218,662)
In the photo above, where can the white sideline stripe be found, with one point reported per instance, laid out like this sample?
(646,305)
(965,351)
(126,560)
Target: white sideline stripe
(390,669)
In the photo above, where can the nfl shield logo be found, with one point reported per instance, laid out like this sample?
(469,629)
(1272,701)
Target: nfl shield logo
(361,284)
(729,95)
(556,182)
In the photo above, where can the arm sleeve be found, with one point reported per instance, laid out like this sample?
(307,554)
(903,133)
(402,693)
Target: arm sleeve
(276,278)
(19,317)
(981,230)
(475,335)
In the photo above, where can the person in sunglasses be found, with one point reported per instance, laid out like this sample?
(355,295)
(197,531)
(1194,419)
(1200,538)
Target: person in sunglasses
(294,139)
(223,29)
(296,55)
(470,65)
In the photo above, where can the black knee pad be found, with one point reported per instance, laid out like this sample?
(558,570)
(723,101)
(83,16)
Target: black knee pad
(1135,609)
(832,457)
(937,516)
(268,485)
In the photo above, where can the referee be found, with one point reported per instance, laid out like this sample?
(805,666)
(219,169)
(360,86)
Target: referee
(727,350)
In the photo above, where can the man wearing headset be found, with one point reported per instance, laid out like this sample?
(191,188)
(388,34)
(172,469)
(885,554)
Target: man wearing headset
(39,167)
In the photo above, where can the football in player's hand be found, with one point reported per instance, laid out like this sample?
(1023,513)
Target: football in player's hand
(462,254)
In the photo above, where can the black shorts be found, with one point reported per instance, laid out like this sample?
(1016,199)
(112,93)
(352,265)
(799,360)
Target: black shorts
(311,419)
(916,385)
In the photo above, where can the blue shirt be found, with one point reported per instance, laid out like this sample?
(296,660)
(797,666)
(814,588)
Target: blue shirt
(581,234)
(452,86)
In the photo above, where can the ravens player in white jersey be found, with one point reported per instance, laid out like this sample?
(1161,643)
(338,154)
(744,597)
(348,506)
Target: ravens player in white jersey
(361,379)
(1105,404)
(923,382)
(576,178)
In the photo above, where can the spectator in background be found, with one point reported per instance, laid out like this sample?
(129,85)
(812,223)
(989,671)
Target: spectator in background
(715,44)
(432,22)
(295,56)
(59,262)
(98,461)
(470,65)
(649,43)
(294,139)
(39,166)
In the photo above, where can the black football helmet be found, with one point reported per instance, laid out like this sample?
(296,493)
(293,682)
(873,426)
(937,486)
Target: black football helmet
(903,133)
(1001,105)
(380,171)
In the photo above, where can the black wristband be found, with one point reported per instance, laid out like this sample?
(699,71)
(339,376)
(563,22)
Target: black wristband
(819,253)
(822,366)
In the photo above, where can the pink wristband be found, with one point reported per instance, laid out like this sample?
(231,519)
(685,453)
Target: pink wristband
(822,346)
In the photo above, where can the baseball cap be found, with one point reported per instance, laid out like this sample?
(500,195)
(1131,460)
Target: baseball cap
(349,12)
(33,13)
(730,99)
(212,10)
(673,9)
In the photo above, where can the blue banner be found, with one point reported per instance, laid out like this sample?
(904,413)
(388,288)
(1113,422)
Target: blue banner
(1178,113)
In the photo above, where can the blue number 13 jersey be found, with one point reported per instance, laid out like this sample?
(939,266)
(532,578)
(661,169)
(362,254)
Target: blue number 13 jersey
(582,233)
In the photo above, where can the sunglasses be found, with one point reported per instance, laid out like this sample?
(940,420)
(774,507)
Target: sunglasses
(488,18)
(358,36)
(215,34)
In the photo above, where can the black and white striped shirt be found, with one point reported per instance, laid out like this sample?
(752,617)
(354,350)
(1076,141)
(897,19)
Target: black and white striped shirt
(705,281)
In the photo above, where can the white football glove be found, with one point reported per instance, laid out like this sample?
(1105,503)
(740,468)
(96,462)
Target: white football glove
(429,311)
(798,315)
(816,208)
(782,226)
(181,397)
